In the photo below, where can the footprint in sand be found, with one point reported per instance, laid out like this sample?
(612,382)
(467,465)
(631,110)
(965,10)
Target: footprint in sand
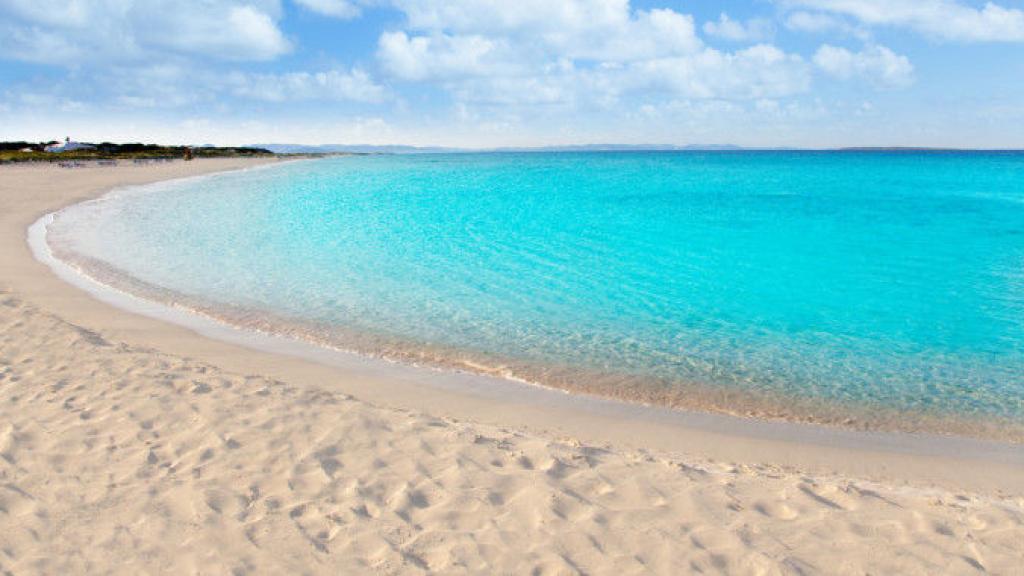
(830,497)
(778,510)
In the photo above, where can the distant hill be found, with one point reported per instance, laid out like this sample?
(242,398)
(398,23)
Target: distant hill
(398,149)
(927,149)
(621,148)
(353,149)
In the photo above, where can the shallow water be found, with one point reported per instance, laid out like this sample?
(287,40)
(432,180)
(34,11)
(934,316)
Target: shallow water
(822,286)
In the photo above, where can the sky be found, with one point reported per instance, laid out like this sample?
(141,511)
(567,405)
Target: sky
(487,73)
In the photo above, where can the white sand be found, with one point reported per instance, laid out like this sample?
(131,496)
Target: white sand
(131,445)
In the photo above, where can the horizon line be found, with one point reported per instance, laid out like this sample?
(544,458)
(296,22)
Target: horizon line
(597,147)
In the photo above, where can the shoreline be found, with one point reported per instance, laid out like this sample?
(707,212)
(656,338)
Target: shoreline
(738,409)
(502,389)
(134,445)
(927,458)
(101,278)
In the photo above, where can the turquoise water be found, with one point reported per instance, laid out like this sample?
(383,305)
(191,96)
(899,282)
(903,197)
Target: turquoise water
(823,286)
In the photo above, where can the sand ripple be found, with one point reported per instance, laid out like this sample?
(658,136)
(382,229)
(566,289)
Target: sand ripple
(116,459)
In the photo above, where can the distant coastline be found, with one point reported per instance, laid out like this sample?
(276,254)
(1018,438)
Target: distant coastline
(279,148)
(23,151)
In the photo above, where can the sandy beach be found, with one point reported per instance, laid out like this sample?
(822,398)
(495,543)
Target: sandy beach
(133,445)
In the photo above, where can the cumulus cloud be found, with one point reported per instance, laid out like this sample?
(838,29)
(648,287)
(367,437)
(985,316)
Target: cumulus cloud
(440,56)
(876,64)
(728,29)
(234,32)
(943,19)
(158,53)
(537,51)
(761,71)
(551,20)
(72,31)
(585,29)
(511,63)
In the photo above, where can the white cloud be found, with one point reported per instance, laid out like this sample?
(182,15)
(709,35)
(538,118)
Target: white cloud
(239,32)
(330,85)
(334,8)
(438,57)
(171,86)
(761,71)
(876,64)
(944,19)
(74,31)
(566,17)
(586,29)
(648,34)
(577,51)
(728,29)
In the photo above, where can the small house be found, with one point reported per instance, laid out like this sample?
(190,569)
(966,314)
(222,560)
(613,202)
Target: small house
(68,146)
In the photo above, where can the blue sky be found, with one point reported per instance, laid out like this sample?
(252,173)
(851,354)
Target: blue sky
(483,73)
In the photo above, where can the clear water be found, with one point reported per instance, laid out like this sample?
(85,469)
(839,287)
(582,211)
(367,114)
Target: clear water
(806,285)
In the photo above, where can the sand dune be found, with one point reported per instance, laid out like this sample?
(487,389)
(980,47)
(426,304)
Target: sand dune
(120,457)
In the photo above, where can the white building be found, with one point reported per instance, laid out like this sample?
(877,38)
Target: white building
(68,146)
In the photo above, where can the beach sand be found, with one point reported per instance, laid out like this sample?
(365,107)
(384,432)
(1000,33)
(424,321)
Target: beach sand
(130,445)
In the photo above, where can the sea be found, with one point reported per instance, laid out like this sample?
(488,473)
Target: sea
(872,289)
